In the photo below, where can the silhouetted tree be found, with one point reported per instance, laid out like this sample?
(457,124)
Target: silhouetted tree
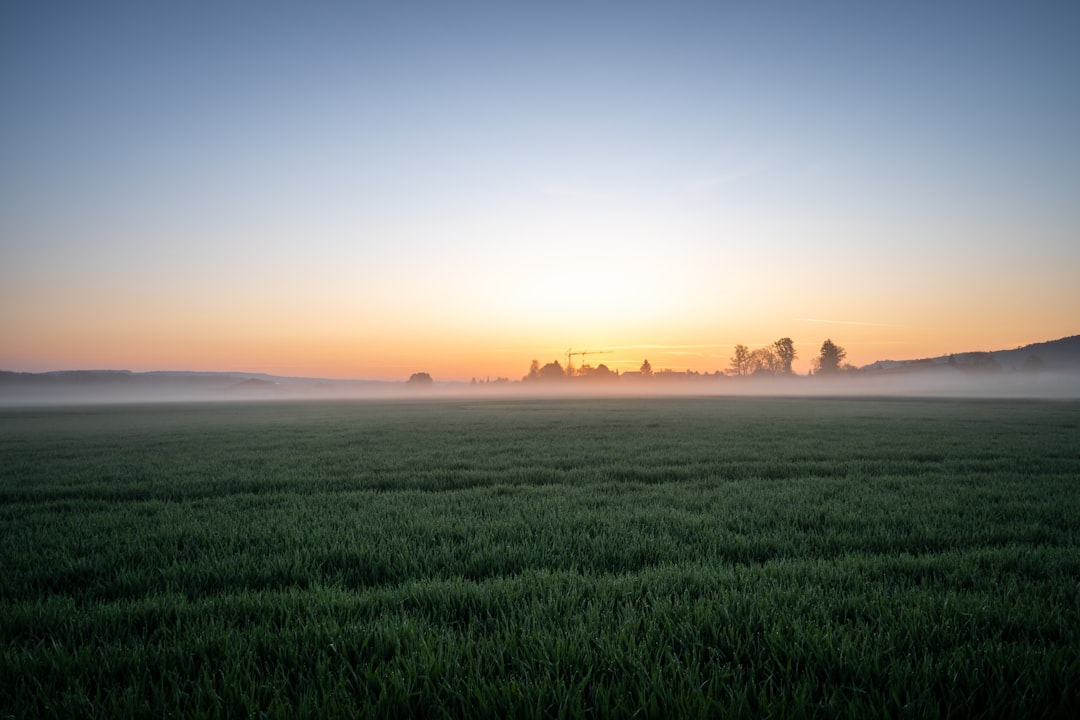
(534,370)
(762,360)
(785,354)
(646,369)
(600,372)
(740,361)
(832,355)
(551,371)
(420,379)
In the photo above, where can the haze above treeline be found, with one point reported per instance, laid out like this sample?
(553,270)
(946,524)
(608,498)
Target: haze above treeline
(1048,370)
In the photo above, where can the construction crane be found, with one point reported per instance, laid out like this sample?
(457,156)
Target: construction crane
(570,354)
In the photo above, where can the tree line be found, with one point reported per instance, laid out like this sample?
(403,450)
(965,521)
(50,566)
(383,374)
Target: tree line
(776,359)
(773,359)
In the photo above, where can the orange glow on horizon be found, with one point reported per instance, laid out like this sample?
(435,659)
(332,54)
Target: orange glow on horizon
(446,359)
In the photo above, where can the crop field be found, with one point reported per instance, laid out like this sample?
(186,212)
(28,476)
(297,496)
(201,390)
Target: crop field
(650,557)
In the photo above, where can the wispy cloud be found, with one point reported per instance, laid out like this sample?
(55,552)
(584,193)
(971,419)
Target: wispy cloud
(663,347)
(846,322)
(760,161)
(572,190)
(705,184)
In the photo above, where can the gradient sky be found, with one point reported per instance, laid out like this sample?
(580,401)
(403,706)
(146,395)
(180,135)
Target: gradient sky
(366,190)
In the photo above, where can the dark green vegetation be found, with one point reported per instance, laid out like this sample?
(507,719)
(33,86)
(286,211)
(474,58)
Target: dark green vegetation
(662,557)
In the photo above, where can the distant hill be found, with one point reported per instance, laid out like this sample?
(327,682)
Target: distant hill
(1055,356)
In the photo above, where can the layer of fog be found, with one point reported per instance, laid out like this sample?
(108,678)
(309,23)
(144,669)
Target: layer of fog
(104,388)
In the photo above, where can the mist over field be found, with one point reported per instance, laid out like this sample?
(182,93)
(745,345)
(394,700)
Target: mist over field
(114,388)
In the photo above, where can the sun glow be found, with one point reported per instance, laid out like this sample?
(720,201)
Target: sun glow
(394,197)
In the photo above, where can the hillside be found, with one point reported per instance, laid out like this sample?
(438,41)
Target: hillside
(1055,356)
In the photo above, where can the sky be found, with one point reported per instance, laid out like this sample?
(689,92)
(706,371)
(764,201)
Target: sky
(367,190)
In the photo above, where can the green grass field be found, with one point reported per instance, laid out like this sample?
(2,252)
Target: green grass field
(693,557)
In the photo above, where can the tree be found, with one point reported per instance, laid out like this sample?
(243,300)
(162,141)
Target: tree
(420,379)
(551,371)
(534,370)
(785,354)
(740,361)
(646,369)
(762,360)
(600,372)
(832,355)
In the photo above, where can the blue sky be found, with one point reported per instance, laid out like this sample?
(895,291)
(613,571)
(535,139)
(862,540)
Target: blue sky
(520,178)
